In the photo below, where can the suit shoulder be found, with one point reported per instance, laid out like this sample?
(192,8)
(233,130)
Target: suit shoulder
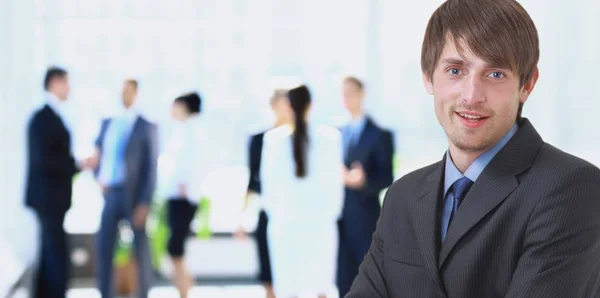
(554,173)
(407,189)
(256,141)
(375,125)
(146,121)
(412,181)
(149,125)
(40,115)
(419,175)
(45,111)
(36,115)
(257,137)
(381,132)
(550,158)
(559,170)
(557,177)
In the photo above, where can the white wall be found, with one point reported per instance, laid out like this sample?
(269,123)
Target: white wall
(17,82)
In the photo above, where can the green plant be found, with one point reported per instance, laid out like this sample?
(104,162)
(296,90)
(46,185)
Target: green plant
(158,232)
(203,218)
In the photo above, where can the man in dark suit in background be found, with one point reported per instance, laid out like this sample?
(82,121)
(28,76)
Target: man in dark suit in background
(49,182)
(368,154)
(503,214)
(127,148)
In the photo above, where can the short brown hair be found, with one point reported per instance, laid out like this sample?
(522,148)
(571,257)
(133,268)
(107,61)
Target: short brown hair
(133,83)
(499,31)
(354,80)
(52,74)
(278,94)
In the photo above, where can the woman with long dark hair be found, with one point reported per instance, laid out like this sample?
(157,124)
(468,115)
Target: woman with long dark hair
(302,189)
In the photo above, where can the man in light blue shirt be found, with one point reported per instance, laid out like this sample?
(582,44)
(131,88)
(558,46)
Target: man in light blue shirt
(112,166)
(368,154)
(352,131)
(128,152)
(452,175)
(503,214)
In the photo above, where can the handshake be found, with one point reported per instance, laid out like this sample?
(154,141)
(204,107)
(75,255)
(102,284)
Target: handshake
(89,163)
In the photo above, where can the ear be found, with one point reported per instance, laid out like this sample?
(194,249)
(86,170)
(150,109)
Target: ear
(528,86)
(428,82)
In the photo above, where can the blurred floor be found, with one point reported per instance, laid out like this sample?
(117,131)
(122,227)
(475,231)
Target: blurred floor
(168,292)
(234,291)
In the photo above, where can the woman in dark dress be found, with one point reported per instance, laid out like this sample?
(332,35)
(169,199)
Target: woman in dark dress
(280,106)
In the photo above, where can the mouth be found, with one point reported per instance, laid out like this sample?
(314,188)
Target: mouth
(471,119)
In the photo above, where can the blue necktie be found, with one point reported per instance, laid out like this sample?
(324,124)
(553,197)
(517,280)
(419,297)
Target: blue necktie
(348,138)
(119,153)
(457,193)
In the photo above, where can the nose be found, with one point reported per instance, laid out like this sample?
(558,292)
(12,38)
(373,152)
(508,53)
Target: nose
(473,90)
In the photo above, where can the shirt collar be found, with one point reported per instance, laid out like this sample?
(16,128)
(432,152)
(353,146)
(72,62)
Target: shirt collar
(358,123)
(452,174)
(129,114)
(57,105)
(190,122)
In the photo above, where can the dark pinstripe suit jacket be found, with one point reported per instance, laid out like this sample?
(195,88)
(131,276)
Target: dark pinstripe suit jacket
(529,227)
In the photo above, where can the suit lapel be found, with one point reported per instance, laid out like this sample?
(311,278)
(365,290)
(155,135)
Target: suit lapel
(488,192)
(360,148)
(133,136)
(426,220)
(497,181)
(58,120)
(103,130)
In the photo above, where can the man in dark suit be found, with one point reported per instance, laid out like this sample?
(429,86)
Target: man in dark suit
(368,153)
(49,182)
(128,152)
(503,214)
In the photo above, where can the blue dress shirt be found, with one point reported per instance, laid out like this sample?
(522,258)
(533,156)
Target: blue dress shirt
(351,133)
(452,174)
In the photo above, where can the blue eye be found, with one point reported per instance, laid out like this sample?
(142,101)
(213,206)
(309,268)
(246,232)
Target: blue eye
(454,71)
(496,75)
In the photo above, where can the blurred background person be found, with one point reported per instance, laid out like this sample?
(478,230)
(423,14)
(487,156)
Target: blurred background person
(368,158)
(281,109)
(127,149)
(184,150)
(50,181)
(302,188)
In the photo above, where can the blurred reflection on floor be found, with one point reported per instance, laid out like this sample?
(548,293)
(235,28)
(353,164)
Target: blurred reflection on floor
(237,291)
(168,292)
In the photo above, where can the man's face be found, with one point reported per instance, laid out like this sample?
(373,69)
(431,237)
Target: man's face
(62,87)
(353,97)
(475,102)
(129,94)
